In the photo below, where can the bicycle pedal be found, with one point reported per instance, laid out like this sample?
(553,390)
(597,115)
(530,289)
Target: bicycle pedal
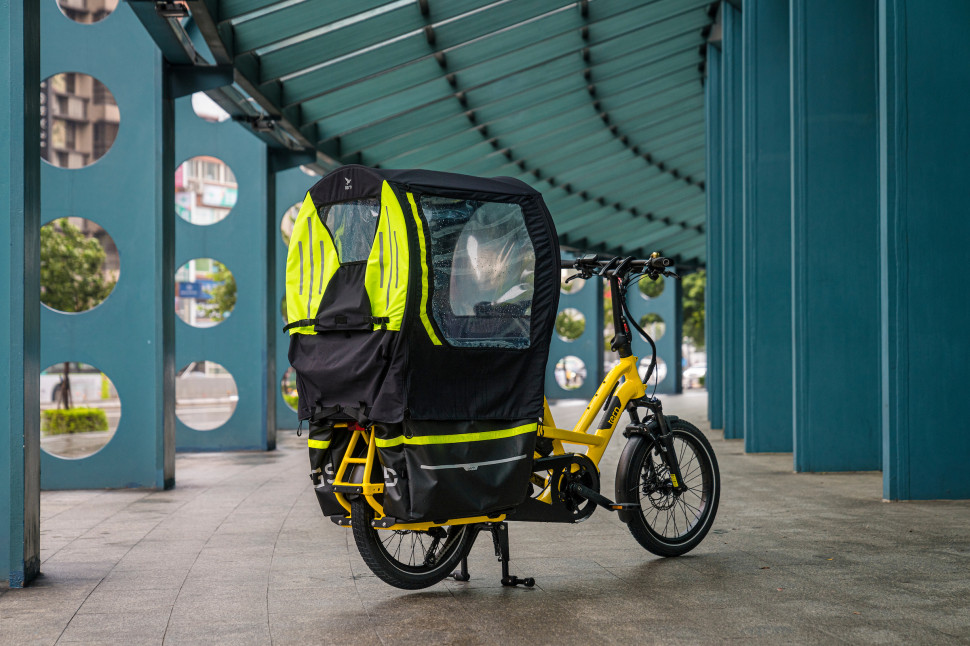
(512,581)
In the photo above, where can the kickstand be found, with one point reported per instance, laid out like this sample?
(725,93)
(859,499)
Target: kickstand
(462,574)
(500,538)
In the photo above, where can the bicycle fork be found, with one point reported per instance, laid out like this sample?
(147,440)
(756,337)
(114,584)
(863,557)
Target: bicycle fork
(661,436)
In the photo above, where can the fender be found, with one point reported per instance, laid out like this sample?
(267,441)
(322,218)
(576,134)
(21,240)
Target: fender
(636,437)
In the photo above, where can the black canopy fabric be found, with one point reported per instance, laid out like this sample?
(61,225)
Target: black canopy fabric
(456,355)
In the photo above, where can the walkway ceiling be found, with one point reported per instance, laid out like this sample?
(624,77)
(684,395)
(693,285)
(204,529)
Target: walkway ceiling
(598,104)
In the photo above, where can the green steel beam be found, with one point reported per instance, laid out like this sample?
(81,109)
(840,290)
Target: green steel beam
(535,40)
(293,20)
(19,292)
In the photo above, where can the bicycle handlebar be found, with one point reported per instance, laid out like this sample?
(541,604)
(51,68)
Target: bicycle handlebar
(593,262)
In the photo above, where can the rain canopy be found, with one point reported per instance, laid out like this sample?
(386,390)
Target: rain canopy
(421,295)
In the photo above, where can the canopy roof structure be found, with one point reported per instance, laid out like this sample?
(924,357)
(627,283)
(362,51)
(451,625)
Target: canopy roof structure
(597,104)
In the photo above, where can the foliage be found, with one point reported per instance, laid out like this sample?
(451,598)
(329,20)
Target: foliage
(569,325)
(694,285)
(651,288)
(223,294)
(76,420)
(292,400)
(653,324)
(71,279)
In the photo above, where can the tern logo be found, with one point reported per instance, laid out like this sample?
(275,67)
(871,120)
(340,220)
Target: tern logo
(390,477)
(347,186)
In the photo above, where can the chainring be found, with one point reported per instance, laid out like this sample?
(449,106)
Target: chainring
(582,470)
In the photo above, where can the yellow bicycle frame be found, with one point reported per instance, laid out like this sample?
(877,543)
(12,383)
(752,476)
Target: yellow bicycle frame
(623,382)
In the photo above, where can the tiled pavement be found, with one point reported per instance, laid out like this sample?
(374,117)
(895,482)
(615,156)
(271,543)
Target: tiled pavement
(239,554)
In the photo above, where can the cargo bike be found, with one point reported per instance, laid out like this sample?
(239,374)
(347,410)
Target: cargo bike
(420,308)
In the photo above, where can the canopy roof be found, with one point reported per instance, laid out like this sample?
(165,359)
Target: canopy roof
(597,104)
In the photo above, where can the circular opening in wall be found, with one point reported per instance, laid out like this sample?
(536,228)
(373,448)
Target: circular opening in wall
(79,265)
(79,120)
(207,109)
(573,286)
(570,372)
(283,310)
(205,292)
(288,388)
(286,224)
(87,12)
(651,288)
(659,375)
(79,410)
(654,325)
(205,395)
(570,324)
(205,190)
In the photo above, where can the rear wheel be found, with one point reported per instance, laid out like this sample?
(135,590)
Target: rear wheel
(408,559)
(667,523)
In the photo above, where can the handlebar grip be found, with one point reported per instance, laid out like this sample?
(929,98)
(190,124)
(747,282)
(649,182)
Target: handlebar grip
(659,262)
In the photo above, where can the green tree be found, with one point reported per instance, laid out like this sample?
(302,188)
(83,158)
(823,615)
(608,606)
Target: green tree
(651,288)
(223,294)
(71,278)
(694,285)
(570,324)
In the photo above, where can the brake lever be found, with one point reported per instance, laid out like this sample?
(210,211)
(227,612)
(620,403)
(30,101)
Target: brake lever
(670,274)
(574,277)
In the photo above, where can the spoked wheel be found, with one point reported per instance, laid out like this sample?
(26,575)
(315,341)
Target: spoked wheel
(671,524)
(407,559)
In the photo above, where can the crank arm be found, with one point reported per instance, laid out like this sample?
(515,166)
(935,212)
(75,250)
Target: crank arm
(600,499)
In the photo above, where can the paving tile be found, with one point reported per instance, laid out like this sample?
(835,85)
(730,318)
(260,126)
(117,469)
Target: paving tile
(239,553)
(116,628)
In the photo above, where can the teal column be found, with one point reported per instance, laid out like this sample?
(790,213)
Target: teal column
(588,347)
(245,242)
(835,239)
(291,187)
(20,293)
(924,135)
(714,292)
(767,229)
(130,193)
(732,239)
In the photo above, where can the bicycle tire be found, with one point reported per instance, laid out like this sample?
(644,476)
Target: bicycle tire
(386,563)
(646,481)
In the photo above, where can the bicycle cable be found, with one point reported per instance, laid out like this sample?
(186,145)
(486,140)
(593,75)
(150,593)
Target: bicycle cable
(636,326)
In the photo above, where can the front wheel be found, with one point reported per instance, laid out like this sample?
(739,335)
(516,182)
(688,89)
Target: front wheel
(669,523)
(407,559)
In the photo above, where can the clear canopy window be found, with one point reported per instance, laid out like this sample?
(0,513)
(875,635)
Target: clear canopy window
(484,271)
(352,226)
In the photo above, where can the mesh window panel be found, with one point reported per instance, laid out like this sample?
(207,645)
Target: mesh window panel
(484,272)
(352,226)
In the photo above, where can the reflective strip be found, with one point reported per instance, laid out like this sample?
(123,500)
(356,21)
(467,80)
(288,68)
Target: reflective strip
(471,466)
(397,256)
(380,241)
(309,298)
(320,289)
(459,437)
(300,245)
(424,274)
(390,250)
(318,444)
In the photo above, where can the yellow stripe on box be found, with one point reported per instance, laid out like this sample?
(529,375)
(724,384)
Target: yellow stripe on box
(459,437)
